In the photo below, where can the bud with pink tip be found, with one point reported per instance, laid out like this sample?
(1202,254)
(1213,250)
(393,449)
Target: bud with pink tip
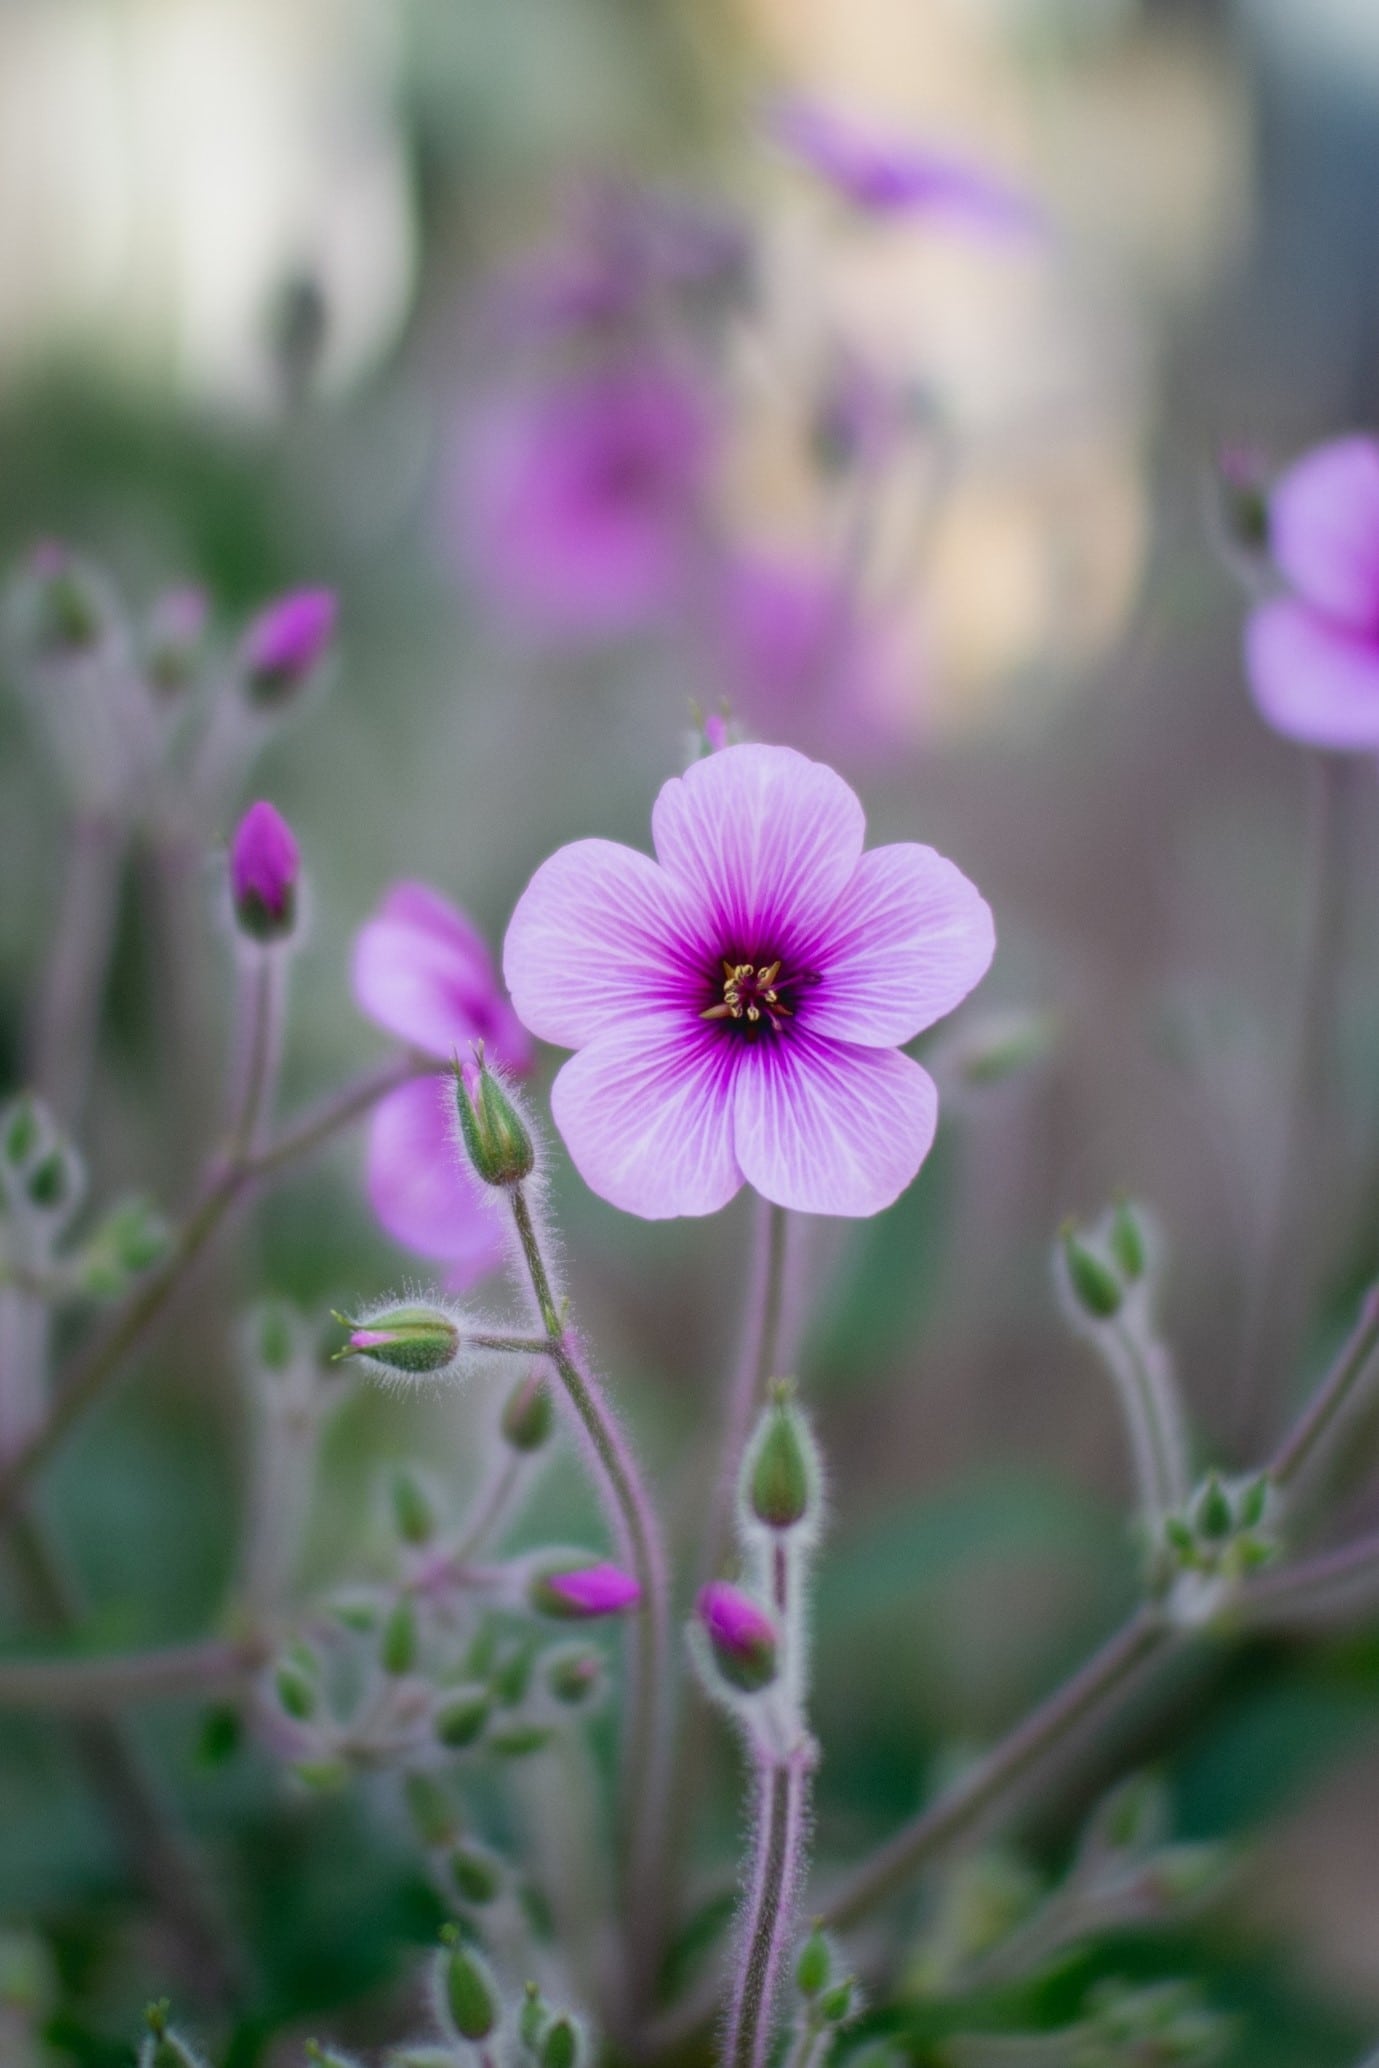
(286,643)
(578,1589)
(742,1637)
(265,867)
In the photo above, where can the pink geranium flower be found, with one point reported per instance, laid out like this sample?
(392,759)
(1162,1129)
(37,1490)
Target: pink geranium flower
(577,504)
(1312,655)
(423,972)
(885,175)
(737,1004)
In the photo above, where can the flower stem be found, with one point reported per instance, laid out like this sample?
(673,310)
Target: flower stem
(262,1007)
(756,1365)
(95,1685)
(1332,1397)
(639,1537)
(1146,1635)
(781,1815)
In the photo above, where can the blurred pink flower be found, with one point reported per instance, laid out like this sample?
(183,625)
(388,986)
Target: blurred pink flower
(1312,656)
(287,641)
(577,505)
(422,971)
(886,175)
(737,1004)
(583,1591)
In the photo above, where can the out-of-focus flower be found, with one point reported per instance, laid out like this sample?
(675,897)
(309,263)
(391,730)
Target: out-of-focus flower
(1313,654)
(737,1004)
(422,971)
(885,175)
(286,643)
(741,1636)
(265,866)
(582,1590)
(577,504)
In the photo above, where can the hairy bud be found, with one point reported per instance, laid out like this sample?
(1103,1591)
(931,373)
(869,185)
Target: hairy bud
(413,1340)
(741,1637)
(467,1995)
(782,1471)
(529,1413)
(265,870)
(1092,1283)
(575,1588)
(493,1132)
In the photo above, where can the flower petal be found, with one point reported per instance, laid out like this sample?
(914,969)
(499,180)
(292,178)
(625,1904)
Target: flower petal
(646,1112)
(763,838)
(830,1129)
(598,935)
(906,942)
(423,971)
(1324,529)
(419,1189)
(1311,680)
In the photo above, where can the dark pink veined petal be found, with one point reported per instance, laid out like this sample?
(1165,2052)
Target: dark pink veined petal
(598,936)
(423,972)
(421,1192)
(830,1129)
(1312,680)
(1324,529)
(906,942)
(646,1112)
(762,840)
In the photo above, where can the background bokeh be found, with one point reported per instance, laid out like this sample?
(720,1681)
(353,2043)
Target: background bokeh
(246,261)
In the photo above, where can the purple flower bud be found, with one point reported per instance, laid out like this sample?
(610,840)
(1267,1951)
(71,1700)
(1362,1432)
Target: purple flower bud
(264,869)
(286,642)
(742,1637)
(584,1589)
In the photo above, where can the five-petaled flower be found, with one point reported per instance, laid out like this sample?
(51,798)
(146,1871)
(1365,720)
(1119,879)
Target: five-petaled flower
(1312,655)
(738,1004)
(423,971)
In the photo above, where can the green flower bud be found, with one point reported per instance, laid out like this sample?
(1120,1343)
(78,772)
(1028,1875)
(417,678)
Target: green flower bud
(414,1341)
(561,2046)
(413,1512)
(1254,1502)
(431,1810)
(461,1716)
(519,1740)
(469,2000)
(296,1690)
(21,1131)
(836,2005)
(512,1679)
(782,1472)
(53,1184)
(493,1131)
(1093,1284)
(132,1238)
(1212,1511)
(531,2022)
(573,1676)
(1128,1245)
(397,1651)
(814,1964)
(529,1413)
(322,1776)
(477,1876)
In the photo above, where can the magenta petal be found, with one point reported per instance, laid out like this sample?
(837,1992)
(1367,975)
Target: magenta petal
(829,1129)
(646,1114)
(1324,529)
(907,941)
(1312,680)
(596,1590)
(599,932)
(889,175)
(422,971)
(761,837)
(264,859)
(422,1195)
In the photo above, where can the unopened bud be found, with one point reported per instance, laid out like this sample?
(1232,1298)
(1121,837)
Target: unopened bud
(561,2047)
(512,1678)
(519,1740)
(461,1715)
(493,1131)
(265,867)
(782,1469)
(1093,1284)
(132,1238)
(814,1965)
(741,1636)
(528,1413)
(477,1876)
(1213,1514)
(580,1589)
(414,1512)
(573,1676)
(414,1341)
(1128,1245)
(531,2021)
(295,1680)
(53,1185)
(432,1812)
(468,1997)
(836,2005)
(397,1651)
(286,643)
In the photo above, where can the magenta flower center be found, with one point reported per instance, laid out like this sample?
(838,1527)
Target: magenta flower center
(754,995)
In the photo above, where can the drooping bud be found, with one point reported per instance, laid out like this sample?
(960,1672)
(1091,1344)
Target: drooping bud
(468,1997)
(414,1513)
(461,1715)
(286,643)
(492,1130)
(1093,1285)
(529,1413)
(573,1675)
(265,867)
(415,1341)
(782,1473)
(162,2047)
(741,1636)
(578,1589)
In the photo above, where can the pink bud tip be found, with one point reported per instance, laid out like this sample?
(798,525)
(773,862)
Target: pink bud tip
(595,1590)
(264,866)
(716,730)
(369,1338)
(288,638)
(732,1619)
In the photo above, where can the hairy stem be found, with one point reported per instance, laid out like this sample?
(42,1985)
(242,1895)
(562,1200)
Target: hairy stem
(780,1819)
(755,1367)
(1331,1399)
